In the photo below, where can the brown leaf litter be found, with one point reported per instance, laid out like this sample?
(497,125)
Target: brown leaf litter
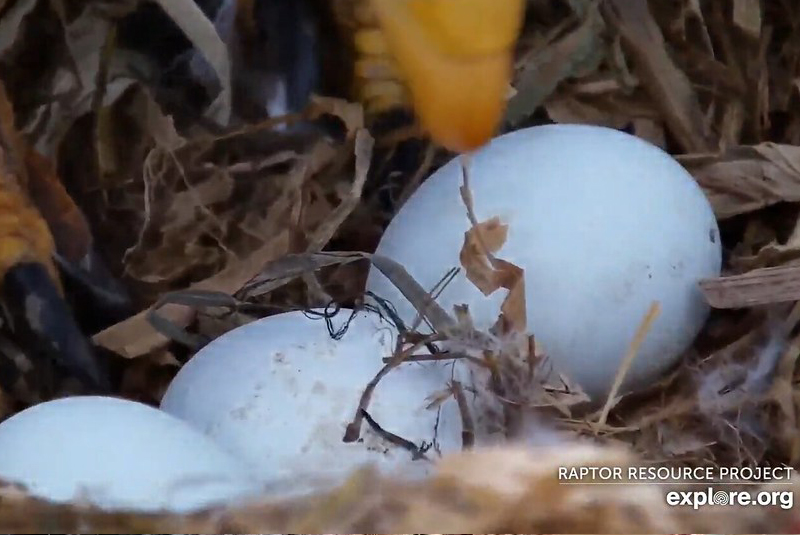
(213,221)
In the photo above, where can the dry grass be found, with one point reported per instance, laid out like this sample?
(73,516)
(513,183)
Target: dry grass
(178,203)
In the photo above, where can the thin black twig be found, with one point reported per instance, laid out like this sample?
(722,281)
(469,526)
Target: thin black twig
(440,357)
(353,430)
(388,308)
(417,452)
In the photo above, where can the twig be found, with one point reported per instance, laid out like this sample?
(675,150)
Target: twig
(466,197)
(437,357)
(633,350)
(417,452)
(467,423)
(353,430)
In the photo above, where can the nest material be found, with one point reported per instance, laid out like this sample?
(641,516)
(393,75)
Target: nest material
(507,490)
(239,215)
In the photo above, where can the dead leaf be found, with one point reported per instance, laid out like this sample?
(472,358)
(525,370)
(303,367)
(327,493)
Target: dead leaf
(694,14)
(747,178)
(278,272)
(670,89)
(487,272)
(567,107)
(73,84)
(751,253)
(650,130)
(415,294)
(545,67)
(514,308)
(161,127)
(135,336)
(487,237)
(12,21)
(188,16)
(286,268)
(363,152)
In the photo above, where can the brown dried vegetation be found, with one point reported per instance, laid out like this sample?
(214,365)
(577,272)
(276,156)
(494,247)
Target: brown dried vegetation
(211,226)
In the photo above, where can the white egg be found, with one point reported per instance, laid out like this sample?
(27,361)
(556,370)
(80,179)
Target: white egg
(602,222)
(118,454)
(279,393)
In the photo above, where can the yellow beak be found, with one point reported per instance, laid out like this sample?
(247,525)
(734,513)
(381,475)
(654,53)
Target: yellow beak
(456,58)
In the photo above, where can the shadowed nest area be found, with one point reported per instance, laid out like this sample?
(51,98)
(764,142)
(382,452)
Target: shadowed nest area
(172,171)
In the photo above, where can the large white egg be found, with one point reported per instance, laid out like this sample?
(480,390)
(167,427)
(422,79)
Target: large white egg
(602,222)
(279,393)
(118,454)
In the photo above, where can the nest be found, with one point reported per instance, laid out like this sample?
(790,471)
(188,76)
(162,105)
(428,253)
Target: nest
(508,490)
(211,227)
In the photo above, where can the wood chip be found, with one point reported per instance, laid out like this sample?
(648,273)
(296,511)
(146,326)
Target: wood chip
(759,287)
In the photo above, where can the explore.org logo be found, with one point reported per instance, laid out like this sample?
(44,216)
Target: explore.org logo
(713,497)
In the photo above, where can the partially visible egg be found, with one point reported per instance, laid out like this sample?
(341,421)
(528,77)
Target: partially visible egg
(602,222)
(280,392)
(118,454)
